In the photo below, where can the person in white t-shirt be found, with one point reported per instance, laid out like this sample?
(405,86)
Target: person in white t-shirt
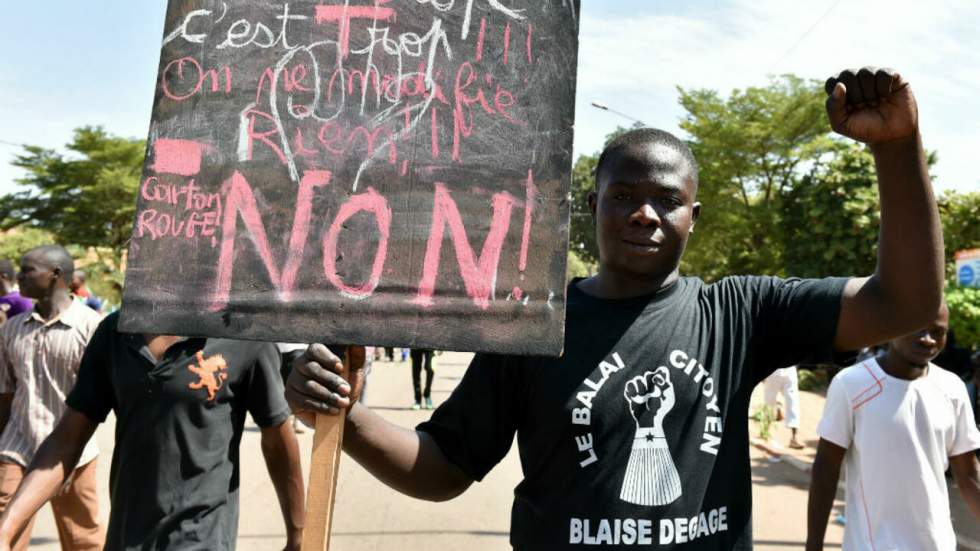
(897,422)
(786,381)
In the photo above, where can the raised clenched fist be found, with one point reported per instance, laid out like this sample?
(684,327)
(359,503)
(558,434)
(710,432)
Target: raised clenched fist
(650,397)
(871,105)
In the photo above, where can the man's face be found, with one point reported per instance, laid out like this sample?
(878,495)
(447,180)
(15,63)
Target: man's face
(36,277)
(921,347)
(644,210)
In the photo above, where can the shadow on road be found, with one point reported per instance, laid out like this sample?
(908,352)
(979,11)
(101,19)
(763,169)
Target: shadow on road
(776,544)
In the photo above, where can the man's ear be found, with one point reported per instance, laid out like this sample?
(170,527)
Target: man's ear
(593,201)
(695,213)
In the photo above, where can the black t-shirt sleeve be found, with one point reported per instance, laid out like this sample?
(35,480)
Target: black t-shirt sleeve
(475,427)
(92,394)
(265,393)
(795,322)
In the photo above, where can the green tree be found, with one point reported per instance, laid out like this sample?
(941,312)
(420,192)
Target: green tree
(577,267)
(87,197)
(753,148)
(582,228)
(16,242)
(964,315)
(830,219)
(960,214)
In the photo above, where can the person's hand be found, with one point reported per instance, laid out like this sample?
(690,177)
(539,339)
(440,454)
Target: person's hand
(871,105)
(316,384)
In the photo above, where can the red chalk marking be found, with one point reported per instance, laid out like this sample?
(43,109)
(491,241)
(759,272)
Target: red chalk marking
(181,157)
(530,191)
(297,80)
(369,78)
(144,223)
(263,136)
(502,101)
(480,38)
(180,75)
(518,293)
(291,80)
(311,180)
(197,77)
(530,30)
(300,147)
(435,134)
(144,189)
(506,42)
(407,112)
(404,167)
(240,201)
(372,202)
(343,15)
(462,114)
(329,141)
(478,275)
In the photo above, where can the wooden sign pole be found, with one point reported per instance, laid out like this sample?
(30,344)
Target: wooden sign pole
(322,489)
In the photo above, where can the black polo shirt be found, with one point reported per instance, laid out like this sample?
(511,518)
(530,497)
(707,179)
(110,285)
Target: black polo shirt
(179,421)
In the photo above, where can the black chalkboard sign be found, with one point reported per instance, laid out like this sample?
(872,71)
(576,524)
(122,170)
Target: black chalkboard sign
(388,172)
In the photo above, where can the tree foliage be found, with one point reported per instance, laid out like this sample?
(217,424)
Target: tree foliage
(960,214)
(582,228)
(753,148)
(14,243)
(86,197)
(830,219)
(964,315)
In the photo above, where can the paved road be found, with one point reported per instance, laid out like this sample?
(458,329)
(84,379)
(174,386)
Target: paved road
(369,516)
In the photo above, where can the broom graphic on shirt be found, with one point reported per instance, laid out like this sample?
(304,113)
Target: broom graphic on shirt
(651,477)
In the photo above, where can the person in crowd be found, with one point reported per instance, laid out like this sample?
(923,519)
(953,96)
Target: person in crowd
(40,353)
(81,292)
(422,359)
(898,422)
(973,386)
(786,381)
(638,433)
(180,407)
(11,301)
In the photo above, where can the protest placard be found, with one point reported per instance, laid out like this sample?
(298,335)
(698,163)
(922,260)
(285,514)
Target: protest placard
(365,171)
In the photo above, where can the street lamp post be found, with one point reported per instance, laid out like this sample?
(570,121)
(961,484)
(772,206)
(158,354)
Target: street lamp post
(604,107)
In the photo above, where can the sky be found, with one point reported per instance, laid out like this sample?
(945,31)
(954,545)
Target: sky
(69,64)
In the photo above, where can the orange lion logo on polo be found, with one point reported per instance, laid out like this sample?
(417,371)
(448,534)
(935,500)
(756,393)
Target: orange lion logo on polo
(210,372)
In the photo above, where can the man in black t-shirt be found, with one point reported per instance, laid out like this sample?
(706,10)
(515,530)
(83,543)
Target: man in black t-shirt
(637,436)
(180,408)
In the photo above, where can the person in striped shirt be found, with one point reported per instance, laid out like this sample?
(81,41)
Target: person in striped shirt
(40,352)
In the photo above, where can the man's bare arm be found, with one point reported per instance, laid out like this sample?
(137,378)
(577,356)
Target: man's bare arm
(281,452)
(876,106)
(966,471)
(53,463)
(407,460)
(823,489)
